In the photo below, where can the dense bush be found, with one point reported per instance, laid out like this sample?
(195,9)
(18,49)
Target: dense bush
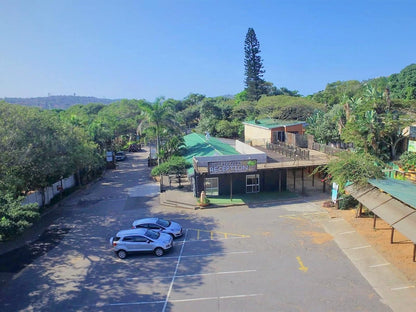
(175,165)
(408,160)
(347,202)
(15,217)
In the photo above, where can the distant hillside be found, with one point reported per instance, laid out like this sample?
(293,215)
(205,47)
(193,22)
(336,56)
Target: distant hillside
(57,101)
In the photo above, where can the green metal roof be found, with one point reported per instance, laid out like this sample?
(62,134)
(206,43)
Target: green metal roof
(197,145)
(270,123)
(402,190)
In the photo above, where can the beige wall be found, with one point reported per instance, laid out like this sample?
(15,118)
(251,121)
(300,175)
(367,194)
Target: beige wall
(256,136)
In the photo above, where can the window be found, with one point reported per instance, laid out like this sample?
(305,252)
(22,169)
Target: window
(211,186)
(140,239)
(252,183)
(153,226)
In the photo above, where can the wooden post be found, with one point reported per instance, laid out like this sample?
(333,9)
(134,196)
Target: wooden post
(294,180)
(391,237)
(359,210)
(414,252)
(303,183)
(231,187)
(313,180)
(374,222)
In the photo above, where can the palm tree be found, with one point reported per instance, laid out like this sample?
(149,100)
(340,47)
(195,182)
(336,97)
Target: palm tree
(159,116)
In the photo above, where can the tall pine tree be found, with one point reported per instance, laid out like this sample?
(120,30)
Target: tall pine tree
(255,85)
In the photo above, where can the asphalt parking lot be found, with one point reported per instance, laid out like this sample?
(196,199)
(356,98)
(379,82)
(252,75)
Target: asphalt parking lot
(271,257)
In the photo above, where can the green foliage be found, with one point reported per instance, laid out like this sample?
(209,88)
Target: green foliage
(347,202)
(229,129)
(255,85)
(15,217)
(286,107)
(354,167)
(176,165)
(160,117)
(403,84)
(240,97)
(408,161)
(323,127)
(39,147)
(336,91)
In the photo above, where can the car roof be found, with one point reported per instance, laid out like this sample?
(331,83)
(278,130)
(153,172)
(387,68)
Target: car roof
(145,220)
(131,232)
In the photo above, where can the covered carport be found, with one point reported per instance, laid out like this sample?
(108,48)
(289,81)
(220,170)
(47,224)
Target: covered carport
(394,201)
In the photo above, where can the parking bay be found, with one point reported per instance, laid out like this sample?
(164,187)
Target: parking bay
(246,259)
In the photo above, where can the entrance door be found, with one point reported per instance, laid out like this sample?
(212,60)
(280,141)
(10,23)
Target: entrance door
(252,183)
(211,186)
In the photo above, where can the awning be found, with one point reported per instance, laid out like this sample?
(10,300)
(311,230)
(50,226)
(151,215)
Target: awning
(397,214)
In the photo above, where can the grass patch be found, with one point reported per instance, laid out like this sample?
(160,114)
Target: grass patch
(251,198)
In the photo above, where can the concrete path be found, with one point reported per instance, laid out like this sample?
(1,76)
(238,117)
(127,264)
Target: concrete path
(393,287)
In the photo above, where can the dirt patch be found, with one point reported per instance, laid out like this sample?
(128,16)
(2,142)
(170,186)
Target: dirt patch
(318,237)
(400,253)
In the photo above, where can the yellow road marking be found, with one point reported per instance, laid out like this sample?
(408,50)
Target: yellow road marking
(302,267)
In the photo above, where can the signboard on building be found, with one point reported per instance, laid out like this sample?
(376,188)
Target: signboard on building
(234,166)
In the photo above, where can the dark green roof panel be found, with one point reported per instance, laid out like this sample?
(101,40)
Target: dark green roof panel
(402,190)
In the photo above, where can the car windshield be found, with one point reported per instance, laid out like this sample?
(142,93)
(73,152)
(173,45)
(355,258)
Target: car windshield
(163,223)
(152,234)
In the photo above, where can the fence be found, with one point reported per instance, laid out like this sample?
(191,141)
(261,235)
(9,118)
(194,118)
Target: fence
(290,151)
(50,191)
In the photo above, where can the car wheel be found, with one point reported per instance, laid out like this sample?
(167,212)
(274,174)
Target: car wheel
(159,252)
(171,235)
(122,254)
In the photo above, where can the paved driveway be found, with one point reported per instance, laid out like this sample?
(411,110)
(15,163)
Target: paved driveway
(273,257)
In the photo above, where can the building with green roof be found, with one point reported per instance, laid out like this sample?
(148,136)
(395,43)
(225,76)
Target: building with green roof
(259,132)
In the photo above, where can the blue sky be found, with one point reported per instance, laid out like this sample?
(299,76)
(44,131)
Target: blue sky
(146,49)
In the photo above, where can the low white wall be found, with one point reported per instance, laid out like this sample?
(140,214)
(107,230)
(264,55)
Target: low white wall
(244,148)
(50,192)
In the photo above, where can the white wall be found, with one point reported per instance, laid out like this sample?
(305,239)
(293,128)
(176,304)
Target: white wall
(50,192)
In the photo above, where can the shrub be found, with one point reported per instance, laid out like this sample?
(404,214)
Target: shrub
(175,165)
(347,202)
(15,217)
(408,161)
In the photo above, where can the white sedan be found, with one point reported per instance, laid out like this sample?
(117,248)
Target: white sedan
(161,225)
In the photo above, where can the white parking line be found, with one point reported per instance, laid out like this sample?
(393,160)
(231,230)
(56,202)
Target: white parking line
(209,254)
(217,273)
(210,239)
(379,265)
(404,287)
(133,303)
(192,275)
(219,254)
(181,300)
(349,232)
(215,298)
(362,247)
(174,274)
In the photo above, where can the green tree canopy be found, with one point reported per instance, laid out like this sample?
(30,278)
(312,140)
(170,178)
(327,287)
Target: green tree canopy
(255,85)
